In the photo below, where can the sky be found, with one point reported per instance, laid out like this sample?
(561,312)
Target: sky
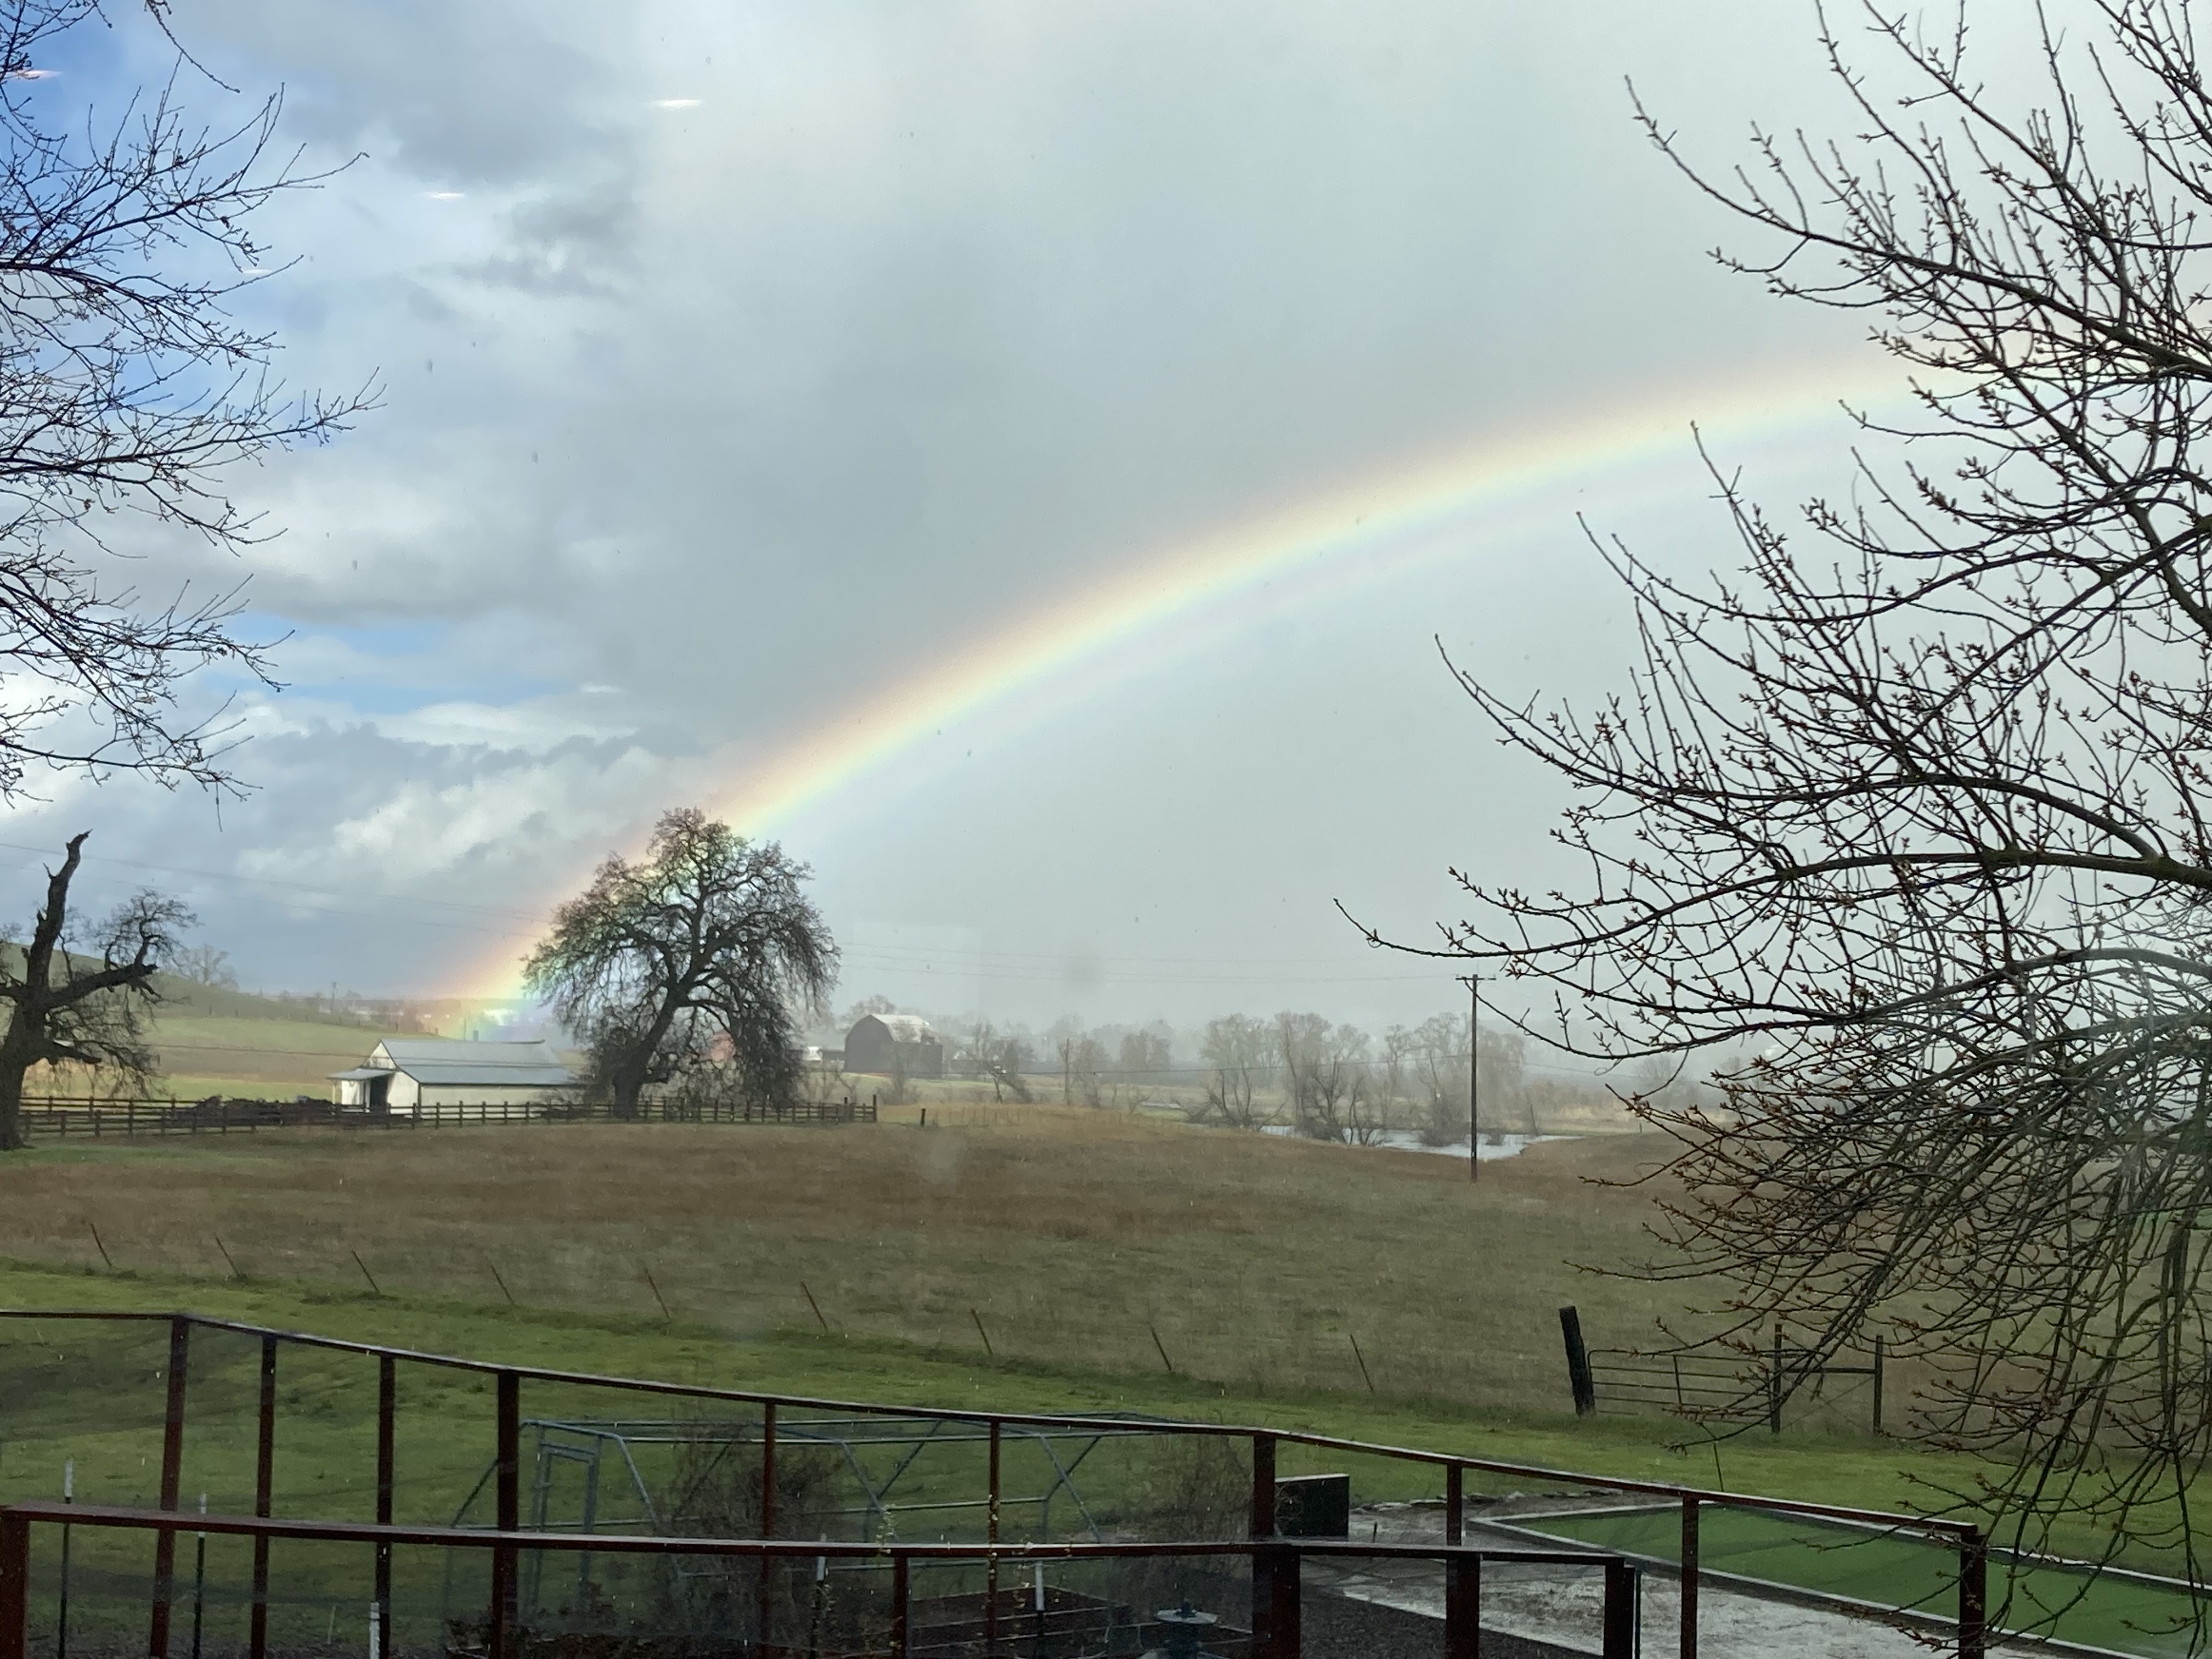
(1031,460)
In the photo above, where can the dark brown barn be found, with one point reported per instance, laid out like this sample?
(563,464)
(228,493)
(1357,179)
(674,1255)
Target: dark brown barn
(879,1043)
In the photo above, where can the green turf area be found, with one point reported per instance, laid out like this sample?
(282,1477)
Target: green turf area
(1889,1570)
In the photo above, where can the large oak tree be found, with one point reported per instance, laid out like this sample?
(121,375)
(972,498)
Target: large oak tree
(707,949)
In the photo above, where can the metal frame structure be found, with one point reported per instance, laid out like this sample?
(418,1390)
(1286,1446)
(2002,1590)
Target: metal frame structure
(1967,1540)
(1275,1563)
(589,1443)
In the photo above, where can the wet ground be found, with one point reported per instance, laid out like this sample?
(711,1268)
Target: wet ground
(1560,1608)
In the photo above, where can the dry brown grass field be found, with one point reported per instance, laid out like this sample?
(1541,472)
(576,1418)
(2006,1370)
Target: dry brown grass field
(1073,1234)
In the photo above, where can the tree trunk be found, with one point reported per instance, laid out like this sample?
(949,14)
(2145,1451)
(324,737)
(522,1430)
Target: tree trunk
(15,1060)
(626,1087)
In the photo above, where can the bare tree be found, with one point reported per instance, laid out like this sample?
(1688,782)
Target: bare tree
(875,1004)
(707,942)
(1004,1062)
(1393,1072)
(1081,1060)
(1237,1052)
(1501,1063)
(1144,1056)
(126,385)
(63,1010)
(1345,1091)
(203,964)
(1918,809)
(1325,1081)
(1440,1053)
(987,1052)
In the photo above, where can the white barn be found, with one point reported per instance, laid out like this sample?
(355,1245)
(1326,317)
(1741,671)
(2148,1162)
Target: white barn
(403,1072)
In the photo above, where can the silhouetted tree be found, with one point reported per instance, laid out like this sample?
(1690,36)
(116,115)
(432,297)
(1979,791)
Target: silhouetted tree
(64,1010)
(125,386)
(1916,807)
(1239,1055)
(706,946)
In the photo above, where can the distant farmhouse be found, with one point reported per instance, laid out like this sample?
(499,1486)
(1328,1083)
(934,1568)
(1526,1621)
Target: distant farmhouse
(404,1073)
(885,1042)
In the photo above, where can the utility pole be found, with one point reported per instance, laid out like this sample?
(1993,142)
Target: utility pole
(1474,1088)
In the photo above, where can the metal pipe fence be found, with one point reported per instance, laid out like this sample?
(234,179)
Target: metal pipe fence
(1966,1540)
(1275,1563)
(1718,1385)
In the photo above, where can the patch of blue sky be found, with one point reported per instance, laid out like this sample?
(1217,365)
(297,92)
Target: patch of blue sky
(414,639)
(367,697)
(391,668)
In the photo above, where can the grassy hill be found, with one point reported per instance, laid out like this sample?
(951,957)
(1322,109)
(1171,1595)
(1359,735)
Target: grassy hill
(211,1040)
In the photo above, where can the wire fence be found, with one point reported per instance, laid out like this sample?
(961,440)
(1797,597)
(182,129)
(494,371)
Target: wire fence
(1710,1385)
(748,1465)
(58,1118)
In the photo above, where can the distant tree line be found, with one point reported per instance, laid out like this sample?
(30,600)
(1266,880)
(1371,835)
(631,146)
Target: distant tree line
(1328,1080)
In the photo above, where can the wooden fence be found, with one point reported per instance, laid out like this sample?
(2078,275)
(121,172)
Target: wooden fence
(58,1119)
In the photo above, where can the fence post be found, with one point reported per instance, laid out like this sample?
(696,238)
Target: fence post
(1463,1606)
(1621,1586)
(265,1482)
(14,1586)
(991,1562)
(1974,1593)
(1578,1365)
(505,1606)
(1263,1486)
(172,1462)
(387,1396)
(765,1590)
(1275,1601)
(1454,1503)
(1688,1648)
(899,1600)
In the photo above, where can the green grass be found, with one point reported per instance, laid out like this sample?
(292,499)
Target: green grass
(1085,1238)
(94,1393)
(1077,1238)
(105,1408)
(1891,1569)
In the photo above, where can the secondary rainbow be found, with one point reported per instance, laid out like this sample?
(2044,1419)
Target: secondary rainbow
(1338,533)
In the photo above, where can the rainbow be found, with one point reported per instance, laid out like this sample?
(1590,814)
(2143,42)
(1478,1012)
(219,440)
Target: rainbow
(1344,534)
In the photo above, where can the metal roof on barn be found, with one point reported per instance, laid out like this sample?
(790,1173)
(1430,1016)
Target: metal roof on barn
(906,1027)
(449,1062)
